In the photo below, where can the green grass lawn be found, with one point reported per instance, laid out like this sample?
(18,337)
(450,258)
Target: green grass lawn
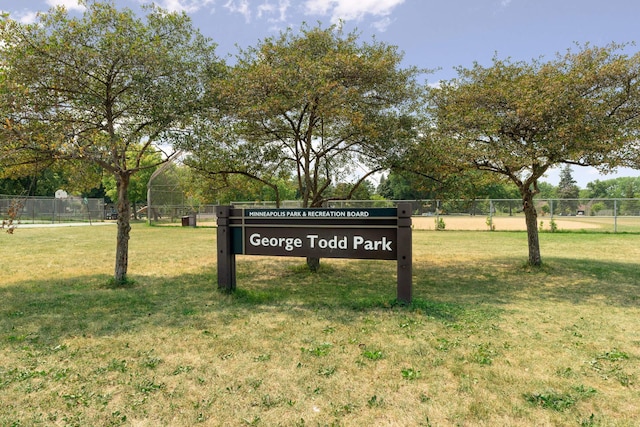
(486,342)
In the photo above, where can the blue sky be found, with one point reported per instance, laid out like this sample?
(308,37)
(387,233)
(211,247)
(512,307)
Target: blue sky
(433,34)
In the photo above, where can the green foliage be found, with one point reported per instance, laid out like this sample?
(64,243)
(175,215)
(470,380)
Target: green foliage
(137,190)
(519,119)
(317,105)
(612,364)
(227,188)
(375,401)
(439,223)
(614,355)
(518,109)
(490,224)
(483,354)
(319,350)
(406,186)
(567,189)
(410,374)
(547,191)
(623,187)
(558,401)
(373,354)
(38,180)
(130,87)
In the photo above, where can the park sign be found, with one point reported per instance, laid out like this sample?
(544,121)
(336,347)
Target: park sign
(357,233)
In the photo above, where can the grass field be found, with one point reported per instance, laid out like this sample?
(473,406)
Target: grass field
(487,341)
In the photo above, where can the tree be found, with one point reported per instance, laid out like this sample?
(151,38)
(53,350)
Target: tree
(567,189)
(105,89)
(226,188)
(402,185)
(617,188)
(137,189)
(620,187)
(344,190)
(319,105)
(520,119)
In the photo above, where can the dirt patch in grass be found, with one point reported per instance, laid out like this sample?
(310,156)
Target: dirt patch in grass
(515,223)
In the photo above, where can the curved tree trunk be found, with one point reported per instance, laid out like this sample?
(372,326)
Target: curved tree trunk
(531,219)
(124,228)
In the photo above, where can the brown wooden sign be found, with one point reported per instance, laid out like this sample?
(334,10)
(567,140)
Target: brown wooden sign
(375,233)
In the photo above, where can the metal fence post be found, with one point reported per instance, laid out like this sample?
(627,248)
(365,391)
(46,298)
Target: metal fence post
(491,215)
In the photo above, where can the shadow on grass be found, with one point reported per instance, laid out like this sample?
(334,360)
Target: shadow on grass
(563,279)
(44,312)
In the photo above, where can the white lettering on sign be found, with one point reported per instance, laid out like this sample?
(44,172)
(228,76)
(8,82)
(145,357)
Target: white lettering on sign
(326,213)
(372,245)
(332,243)
(314,241)
(268,214)
(359,214)
(288,243)
(320,213)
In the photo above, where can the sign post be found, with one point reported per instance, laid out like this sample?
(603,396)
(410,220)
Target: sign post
(374,233)
(405,252)
(226,256)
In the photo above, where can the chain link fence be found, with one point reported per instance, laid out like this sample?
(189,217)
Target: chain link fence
(35,210)
(608,215)
(603,215)
(612,215)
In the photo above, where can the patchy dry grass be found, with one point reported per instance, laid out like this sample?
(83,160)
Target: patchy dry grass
(487,340)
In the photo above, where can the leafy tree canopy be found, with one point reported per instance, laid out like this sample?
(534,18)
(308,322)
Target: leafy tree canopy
(519,119)
(319,105)
(623,187)
(104,89)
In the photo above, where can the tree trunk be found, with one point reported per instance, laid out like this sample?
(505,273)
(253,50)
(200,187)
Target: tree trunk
(124,228)
(531,219)
(313,263)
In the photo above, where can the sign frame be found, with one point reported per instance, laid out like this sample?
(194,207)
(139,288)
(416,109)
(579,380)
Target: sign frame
(354,233)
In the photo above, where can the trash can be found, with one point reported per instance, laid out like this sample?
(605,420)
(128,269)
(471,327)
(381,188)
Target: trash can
(189,220)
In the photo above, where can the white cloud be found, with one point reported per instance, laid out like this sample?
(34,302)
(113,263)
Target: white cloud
(268,9)
(318,7)
(68,4)
(283,6)
(188,6)
(348,10)
(24,17)
(382,24)
(239,6)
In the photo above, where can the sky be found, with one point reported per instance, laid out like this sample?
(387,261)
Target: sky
(437,35)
